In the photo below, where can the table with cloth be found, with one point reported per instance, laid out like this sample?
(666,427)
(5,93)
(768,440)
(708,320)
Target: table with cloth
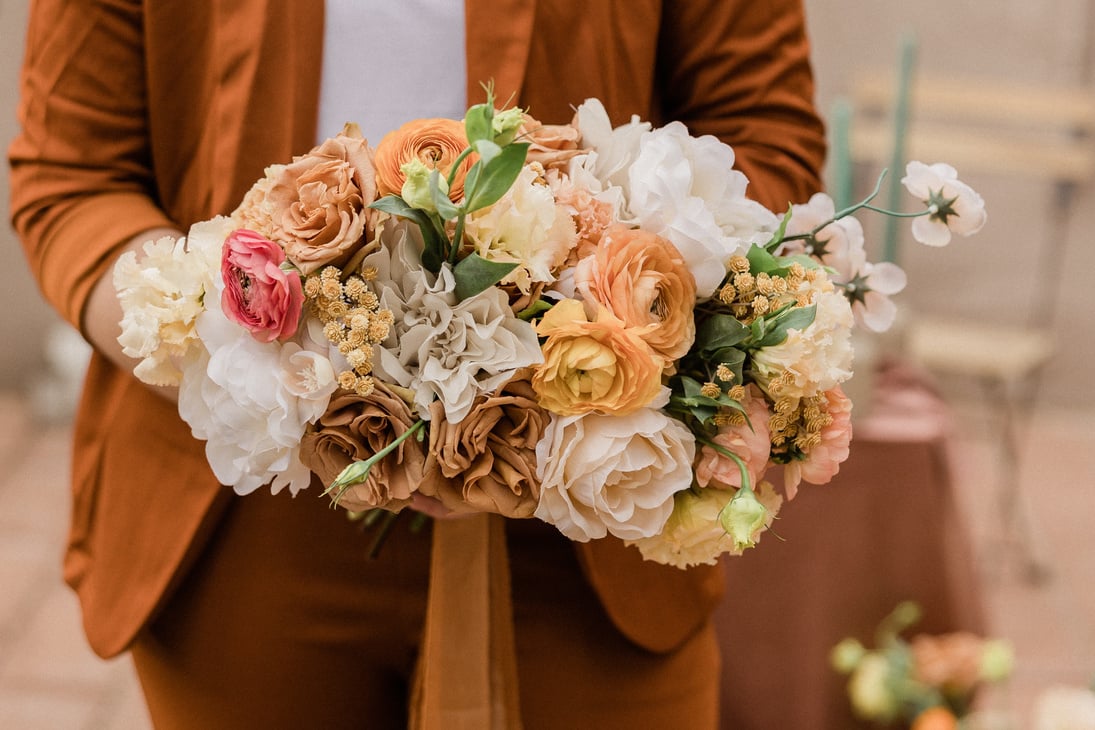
(886,529)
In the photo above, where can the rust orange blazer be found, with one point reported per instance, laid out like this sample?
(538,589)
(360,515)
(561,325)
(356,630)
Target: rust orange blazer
(144,114)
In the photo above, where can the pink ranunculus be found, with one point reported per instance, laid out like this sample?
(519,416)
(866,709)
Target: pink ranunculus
(750,442)
(824,459)
(258,294)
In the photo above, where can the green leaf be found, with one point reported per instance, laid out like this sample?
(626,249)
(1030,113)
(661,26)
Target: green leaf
(475,274)
(496,178)
(487,150)
(718,331)
(445,207)
(760,260)
(798,318)
(479,122)
(534,310)
(434,243)
(777,237)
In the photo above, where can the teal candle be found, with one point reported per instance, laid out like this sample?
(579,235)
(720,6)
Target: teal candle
(900,128)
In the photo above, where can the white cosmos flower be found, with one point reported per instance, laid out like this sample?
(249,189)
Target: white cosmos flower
(955,206)
(839,245)
(869,292)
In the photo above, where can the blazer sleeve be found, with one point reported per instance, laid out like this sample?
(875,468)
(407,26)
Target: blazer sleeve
(81,170)
(741,71)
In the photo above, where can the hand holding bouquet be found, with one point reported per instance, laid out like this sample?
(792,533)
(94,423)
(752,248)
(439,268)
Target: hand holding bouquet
(589,325)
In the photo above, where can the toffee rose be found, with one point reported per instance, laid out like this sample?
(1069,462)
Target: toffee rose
(489,457)
(552,145)
(318,202)
(435,142)
(642,279)
(258,294)
(597,366)
(354,428)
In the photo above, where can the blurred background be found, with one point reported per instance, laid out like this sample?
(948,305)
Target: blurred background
(1015,381)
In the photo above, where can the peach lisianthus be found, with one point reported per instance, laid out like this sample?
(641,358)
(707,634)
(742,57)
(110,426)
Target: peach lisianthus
(748,440)
(642,279)
(597,366)
(435,142)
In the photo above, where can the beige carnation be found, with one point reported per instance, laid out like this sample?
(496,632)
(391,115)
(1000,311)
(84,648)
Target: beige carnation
(489,457)
(355,428)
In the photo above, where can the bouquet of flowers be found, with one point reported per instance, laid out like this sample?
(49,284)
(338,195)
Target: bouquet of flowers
(589,325)
(928,681)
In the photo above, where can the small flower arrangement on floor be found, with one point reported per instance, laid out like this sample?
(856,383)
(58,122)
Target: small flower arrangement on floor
(927,682)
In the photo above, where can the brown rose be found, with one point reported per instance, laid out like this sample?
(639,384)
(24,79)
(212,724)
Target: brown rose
(489,457)
(436,142)
(643,280)
(355,428)
(318,201)
(552,145)
(599,366)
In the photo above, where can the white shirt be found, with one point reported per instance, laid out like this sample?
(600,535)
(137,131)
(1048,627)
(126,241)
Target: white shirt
(386,62)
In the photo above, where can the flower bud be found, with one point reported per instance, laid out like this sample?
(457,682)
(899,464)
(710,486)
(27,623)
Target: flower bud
(744,518)
(505,124)
(416,185)
(997,660)
(846,655)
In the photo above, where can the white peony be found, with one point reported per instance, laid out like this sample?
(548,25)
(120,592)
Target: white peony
(615,148)
(250,402)
(953,205)
(683,188)
(693,535)
(162,294)
(612,474)
(814,359)
(524,227)
(437,347)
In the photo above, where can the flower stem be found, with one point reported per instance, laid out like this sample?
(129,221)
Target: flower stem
(358,472)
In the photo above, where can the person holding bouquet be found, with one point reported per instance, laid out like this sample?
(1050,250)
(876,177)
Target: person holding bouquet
(140,119)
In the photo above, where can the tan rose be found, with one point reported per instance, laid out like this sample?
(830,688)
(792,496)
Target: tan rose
(317,202)
(436,142)
(642,279)
(599,366)
(552,145)
(355,428)
(489,457)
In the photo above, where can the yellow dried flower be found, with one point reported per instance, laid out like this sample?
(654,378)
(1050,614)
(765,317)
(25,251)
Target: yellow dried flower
(364,386)
(354,288)
(312,287)
(347,380)
(739,264)
(332,331)
(368,273)
(760,305)
(724,373)
(737,392)
(710,390)
(728,294)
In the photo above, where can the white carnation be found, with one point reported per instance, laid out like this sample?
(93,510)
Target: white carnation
(612,474)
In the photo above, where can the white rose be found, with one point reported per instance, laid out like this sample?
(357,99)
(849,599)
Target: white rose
(813,359)
(612,474)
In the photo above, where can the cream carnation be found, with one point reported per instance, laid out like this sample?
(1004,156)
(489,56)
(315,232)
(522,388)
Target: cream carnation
(526,228)
(612,474)
(162,295)
(811,360)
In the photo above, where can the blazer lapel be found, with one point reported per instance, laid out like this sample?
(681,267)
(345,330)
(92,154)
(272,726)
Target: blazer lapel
(497,35)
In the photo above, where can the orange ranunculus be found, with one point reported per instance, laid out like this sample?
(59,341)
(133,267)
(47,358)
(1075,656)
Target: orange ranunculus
(436,142)
(935,718)
(599,366)
(642,279)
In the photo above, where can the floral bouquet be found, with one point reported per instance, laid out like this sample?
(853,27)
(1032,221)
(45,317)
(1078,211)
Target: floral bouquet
(589,325)
(927,682)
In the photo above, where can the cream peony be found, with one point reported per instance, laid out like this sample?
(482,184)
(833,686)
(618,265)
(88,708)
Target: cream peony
(437,347)
(526,228)
(810,360)
(251,401)
(612,474)
(162,296)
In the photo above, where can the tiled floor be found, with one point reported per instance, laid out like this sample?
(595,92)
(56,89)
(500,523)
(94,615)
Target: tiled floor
(49,680)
